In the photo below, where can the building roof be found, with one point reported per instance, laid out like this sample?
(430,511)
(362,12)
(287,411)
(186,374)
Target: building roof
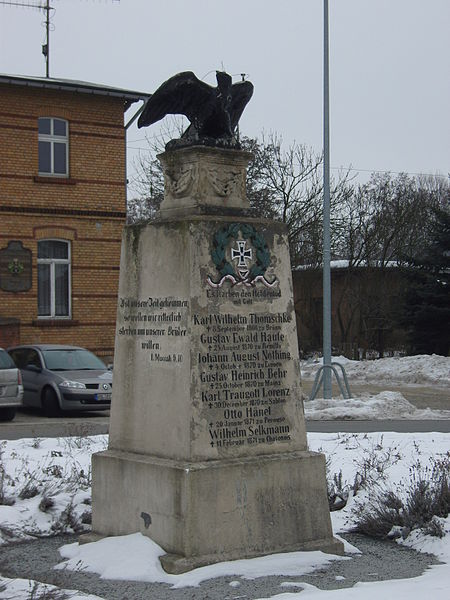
(71,85)
(345,264)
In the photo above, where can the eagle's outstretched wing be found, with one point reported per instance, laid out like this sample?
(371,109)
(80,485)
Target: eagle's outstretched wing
(240,95)
(182,94)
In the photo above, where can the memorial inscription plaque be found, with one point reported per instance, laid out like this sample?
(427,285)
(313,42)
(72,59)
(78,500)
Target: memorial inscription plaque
(245,367)
(157,323)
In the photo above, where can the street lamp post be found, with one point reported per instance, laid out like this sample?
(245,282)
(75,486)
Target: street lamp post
(325,372)
(327,394)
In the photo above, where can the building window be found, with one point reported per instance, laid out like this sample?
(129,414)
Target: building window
(53,138)
(53,278)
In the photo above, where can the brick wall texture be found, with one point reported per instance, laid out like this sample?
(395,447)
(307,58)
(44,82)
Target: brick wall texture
(87,209)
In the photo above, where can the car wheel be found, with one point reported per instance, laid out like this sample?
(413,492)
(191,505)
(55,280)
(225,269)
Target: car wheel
(50,403)
(7,414)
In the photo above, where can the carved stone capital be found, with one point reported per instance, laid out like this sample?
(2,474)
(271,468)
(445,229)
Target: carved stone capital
(201,179)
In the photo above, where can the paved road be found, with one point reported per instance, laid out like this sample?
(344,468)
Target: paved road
(32,424)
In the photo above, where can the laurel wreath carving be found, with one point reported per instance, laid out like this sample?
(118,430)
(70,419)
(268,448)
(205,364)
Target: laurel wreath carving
(221,241)
(223,184)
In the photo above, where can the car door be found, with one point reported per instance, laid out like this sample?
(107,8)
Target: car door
(8,379)
(29,363)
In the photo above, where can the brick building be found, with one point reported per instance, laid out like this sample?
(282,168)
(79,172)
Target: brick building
(62,209)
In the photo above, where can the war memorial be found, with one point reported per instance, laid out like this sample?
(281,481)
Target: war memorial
(207,451)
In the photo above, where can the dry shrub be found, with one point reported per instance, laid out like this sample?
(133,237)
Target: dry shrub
(425,501)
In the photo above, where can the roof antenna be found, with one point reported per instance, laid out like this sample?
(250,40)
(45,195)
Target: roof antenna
(43,5)
(46,46)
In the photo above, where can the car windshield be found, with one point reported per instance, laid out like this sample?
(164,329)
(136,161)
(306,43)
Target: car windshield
(72,360)
(6,362)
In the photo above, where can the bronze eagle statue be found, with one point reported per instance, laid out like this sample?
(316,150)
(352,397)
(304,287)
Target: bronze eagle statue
(213,112)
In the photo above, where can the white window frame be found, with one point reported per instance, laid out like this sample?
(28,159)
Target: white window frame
(52,262)
(52,138)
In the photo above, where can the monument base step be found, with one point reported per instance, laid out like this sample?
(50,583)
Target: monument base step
(176,564)
(238,508)
(90,537)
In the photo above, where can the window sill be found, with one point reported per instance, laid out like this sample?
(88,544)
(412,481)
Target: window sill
(52,322)
(60,180)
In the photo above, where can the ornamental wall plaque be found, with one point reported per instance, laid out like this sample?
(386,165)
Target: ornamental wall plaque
(15,267)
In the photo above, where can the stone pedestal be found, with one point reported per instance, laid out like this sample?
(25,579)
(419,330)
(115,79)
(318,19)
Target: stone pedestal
(199,180)
(207,452)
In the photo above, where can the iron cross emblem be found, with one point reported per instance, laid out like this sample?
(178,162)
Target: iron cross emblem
(241,254)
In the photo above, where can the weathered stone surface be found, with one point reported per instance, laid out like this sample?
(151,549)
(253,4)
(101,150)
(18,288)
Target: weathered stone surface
(207,511)
(207,451)
(203,370)
(198,180)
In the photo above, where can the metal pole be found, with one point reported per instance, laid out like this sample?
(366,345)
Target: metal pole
(47,54)
(327,393)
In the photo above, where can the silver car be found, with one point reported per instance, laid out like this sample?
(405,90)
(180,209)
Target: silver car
(11,390)
(62,378)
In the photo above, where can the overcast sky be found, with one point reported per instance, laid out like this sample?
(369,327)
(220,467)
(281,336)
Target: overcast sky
(389,65)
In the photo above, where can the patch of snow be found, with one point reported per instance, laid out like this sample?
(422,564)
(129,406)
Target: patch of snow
(136,557)
(348,548)
(421,369)
(420,541)
(385,405)
(18,589)
(58,469)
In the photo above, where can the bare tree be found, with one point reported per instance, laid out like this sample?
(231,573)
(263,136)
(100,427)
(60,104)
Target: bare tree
(147,181)
(388,220)
(287,184)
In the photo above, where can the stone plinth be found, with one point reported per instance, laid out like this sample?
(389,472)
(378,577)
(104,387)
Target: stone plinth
(207,452)
(200,180)
(209,511)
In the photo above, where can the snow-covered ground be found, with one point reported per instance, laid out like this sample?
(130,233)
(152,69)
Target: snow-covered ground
(45,488)
(56,474)
(381,405)
(408,371)
(421,369)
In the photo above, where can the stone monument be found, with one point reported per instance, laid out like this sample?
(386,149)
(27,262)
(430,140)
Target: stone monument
(207,450)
